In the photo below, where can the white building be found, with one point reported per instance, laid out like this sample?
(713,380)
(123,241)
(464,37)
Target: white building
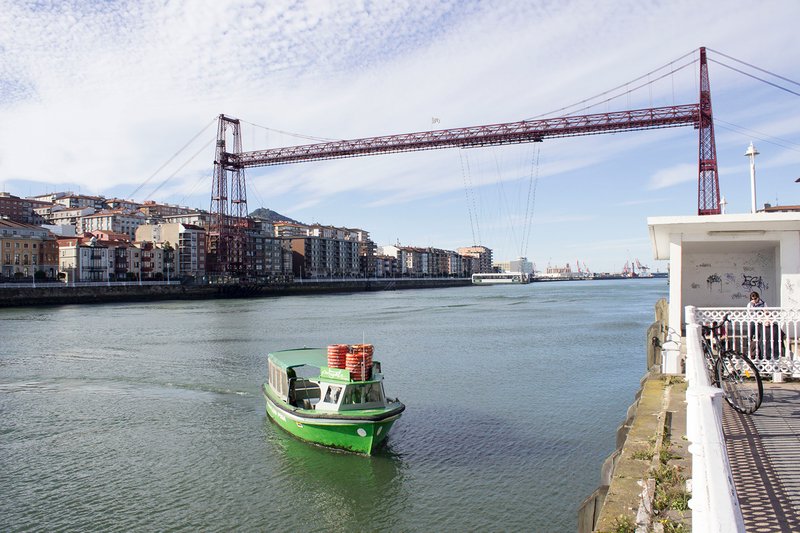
(117,221)
(67,216)
(717,260)
(83,259)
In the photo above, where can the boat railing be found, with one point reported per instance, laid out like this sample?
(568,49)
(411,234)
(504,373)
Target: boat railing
(714,502)
(769,336)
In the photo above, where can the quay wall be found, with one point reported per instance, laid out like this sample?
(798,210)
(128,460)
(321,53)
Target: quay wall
(58,294)
(657,411)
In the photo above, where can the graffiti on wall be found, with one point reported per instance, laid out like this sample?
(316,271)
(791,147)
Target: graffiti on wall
(712,280)
(791,290)
(754,282)
(728,278)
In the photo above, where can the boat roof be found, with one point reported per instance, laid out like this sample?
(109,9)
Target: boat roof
(300,356)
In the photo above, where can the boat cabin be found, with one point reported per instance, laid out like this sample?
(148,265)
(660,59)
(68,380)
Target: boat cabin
(302,379)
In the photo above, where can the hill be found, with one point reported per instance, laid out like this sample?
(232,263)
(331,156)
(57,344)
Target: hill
(271,216)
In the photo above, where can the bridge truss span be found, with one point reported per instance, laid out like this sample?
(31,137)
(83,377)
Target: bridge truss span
(230,163)
(475,136)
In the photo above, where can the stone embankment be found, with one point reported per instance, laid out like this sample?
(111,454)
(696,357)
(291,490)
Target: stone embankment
(59,294)
(643,482)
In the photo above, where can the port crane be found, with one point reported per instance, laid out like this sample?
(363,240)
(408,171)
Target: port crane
(227,252)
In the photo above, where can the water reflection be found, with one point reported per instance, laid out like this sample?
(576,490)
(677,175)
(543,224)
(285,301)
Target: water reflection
(346,491)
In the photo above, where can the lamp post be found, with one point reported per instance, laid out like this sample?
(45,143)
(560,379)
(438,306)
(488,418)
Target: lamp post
(752,153)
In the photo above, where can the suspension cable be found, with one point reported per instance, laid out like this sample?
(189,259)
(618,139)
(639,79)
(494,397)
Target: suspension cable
(464,172)
(153,175)
(755,67)
(761,136)
(298,135)
(755,77)
(620,86)
(690,63)
(504,203)
(180,168)
(533,181)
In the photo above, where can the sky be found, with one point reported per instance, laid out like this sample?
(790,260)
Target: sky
(120,99)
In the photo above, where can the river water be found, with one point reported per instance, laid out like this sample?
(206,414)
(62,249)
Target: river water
(149,416)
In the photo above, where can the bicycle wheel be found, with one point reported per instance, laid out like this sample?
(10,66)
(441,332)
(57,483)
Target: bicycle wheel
(739,379)
(710,360)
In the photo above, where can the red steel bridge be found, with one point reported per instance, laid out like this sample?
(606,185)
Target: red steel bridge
(229,213)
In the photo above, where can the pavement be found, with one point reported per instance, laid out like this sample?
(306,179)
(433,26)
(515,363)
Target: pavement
(764,452)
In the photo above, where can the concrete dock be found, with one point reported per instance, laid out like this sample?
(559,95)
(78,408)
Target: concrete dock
(764,452)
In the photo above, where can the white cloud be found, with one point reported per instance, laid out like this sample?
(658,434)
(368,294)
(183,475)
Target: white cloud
(100,95)
(670,177)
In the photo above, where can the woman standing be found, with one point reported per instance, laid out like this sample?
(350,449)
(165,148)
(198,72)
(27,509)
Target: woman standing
(765,334)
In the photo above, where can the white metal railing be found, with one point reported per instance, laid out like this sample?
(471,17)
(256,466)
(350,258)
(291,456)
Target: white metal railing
(58,284)
(769,336)
(714,502)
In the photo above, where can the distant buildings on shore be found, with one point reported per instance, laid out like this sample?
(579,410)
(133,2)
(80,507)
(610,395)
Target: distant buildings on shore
(75,237)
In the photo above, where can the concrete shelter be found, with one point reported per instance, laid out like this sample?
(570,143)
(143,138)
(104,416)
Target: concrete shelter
(717,260)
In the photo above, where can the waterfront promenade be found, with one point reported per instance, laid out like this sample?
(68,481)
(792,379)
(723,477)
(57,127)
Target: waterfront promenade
(764,453)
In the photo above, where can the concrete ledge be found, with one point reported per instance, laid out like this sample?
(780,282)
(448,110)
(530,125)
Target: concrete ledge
(626,485)
(624,493)
(58,294)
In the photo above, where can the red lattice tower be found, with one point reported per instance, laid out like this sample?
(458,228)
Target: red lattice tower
(708,177)
(227,244)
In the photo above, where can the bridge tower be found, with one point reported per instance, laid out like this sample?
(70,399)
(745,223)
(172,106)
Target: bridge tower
(226,239)
(708,177)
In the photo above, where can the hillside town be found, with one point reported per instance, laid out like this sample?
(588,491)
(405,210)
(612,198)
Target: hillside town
(72,238)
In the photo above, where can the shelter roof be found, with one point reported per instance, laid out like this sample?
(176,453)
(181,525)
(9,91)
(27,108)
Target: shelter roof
(301,356)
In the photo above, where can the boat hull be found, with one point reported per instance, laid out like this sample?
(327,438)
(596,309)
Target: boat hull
(356,435)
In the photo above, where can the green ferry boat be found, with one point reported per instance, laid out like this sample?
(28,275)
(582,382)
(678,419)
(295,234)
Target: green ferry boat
(324,405)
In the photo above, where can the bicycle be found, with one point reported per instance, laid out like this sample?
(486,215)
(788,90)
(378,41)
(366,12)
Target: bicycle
(732,371)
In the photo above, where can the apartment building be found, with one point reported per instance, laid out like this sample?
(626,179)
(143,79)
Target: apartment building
(318,257)
(119,245)
(193,218)
(117,221)
(385,266)
(267,253)
(27,250)
(411,261)
(153,210)
(188,244)
(20,209)
(83,259)
(73,201)
(328,251)
(415,261)
(480,258)
(59,215)
(148,260)
(120,204)
(289,230)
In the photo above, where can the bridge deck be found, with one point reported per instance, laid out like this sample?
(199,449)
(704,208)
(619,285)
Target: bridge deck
(764,451)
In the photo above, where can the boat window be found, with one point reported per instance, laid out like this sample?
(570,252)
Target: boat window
(366,393)
(332,394)
(278,379)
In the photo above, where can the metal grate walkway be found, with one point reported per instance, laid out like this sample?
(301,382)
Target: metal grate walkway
(764,452)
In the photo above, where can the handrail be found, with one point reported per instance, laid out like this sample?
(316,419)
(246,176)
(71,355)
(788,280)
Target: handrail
(714,502)
(61,284)
(769,336)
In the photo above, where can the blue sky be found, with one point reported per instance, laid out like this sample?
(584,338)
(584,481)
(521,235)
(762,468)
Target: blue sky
(97,96)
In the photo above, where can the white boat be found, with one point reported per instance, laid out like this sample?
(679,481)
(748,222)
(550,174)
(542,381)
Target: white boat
(505,277)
